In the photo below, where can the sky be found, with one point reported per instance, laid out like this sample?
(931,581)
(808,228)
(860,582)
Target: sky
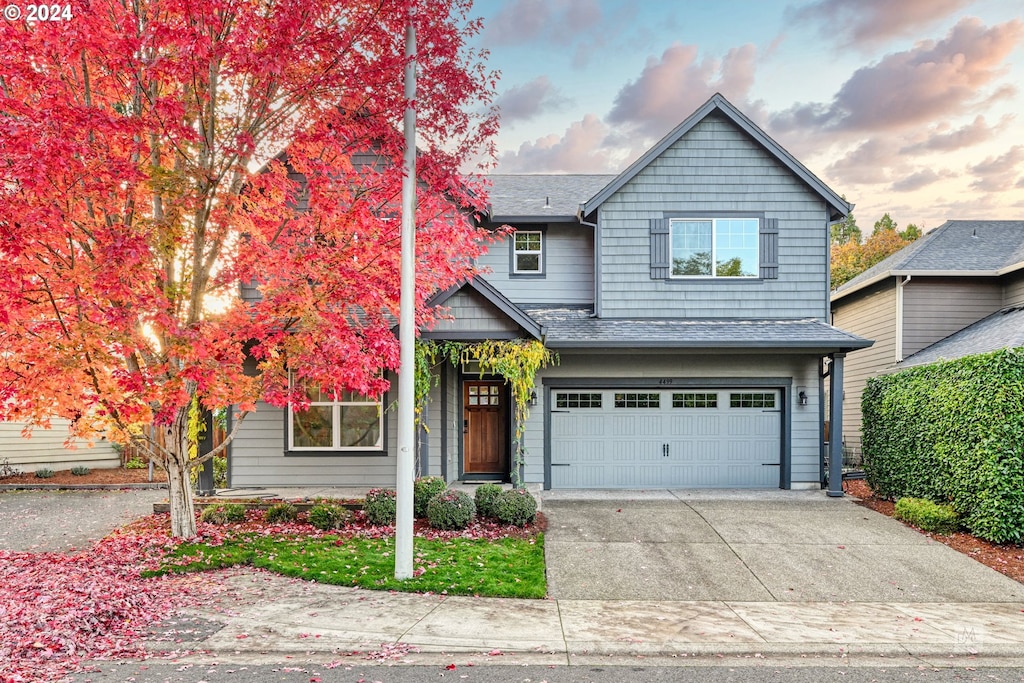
(903,106)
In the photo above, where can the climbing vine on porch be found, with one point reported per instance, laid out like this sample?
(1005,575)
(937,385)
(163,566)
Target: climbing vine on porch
(517,361)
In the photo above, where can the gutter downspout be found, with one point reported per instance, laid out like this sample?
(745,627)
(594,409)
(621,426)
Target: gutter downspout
(597,263)
(900,284)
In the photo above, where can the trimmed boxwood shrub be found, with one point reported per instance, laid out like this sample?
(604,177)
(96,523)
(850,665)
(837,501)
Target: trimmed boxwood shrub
(380,507)
(516,506)
(327,516)
(451,509)
(486,499)
(423,490)
(223,513)
(280,512)
(926,515)
(952,432)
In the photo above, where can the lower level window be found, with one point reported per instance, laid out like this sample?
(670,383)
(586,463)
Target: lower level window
(342,422)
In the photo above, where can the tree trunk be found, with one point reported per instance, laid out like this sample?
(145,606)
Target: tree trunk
(183,514)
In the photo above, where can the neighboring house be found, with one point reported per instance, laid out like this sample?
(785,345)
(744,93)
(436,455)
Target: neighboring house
(672,372)
(954,292)
(46,449)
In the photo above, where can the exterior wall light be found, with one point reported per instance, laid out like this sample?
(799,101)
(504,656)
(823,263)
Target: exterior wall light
(803,398)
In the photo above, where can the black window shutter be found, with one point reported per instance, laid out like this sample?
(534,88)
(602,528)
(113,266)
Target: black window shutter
(661,256)
(769,249)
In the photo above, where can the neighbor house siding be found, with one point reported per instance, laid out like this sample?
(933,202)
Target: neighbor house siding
(257,457)
(872,315)
(46,449)
(801,370)
(569,268)
(715,167)
(934,308)
(1013,290)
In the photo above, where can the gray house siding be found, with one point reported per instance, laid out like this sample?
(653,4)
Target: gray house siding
(257,457)
(469,311)
(654,368)
(46,449)
(934,308)
(714,168)
(1013,290)
(569,268)
(873,316)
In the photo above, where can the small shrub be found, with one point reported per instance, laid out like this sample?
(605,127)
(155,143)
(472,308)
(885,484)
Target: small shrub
(423,491)
(451,509)
(280,512)
(136,464)
(44,473)
(926,515)
(327,516)
(380,507)
(517,507)
(7,471)
(223,513)
(80,471)
(486,499)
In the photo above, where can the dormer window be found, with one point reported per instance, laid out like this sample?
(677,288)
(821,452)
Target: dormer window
(714,247)
(528,252)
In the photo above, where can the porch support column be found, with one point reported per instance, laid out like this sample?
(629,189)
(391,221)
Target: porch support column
(835,437)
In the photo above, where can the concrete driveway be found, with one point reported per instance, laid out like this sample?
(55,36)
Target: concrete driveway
(797,546)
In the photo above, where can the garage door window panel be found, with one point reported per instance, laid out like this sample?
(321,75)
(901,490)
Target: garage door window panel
(632,400)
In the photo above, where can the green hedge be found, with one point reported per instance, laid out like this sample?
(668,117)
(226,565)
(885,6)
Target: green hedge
(926,515)
(952,432)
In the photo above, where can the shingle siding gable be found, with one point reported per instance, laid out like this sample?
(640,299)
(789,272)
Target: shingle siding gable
(715,167)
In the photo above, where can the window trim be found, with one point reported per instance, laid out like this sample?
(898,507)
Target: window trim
(713,219)
(336,450)
(542,254)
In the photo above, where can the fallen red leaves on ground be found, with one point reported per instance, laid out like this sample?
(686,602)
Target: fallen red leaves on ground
(60,609)
(1005,559)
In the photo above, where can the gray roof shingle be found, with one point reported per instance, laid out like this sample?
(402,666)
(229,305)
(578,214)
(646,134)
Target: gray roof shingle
(541,196)
(574,327)
(955,246)
(1002,330)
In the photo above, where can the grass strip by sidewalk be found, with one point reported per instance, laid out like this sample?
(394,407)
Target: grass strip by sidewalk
(505,567)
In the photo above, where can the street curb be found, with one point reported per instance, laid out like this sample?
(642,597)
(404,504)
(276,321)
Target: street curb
(81,487)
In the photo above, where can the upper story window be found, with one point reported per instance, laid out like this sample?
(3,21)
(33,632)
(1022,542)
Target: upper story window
(714,247)
(528,252)
(337,422)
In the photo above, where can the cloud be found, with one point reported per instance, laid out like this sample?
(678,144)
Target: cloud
(996,174)
(920,179)
(523,102)
(671,87)
(869,163)
(910,88)
(941,139)
(581,149)
(522,21)
(868,22)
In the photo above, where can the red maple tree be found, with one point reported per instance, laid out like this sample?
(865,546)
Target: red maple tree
(157,153)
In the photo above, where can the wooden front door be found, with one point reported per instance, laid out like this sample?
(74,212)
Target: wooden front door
(485,427)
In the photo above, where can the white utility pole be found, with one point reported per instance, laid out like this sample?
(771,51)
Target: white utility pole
(407,326)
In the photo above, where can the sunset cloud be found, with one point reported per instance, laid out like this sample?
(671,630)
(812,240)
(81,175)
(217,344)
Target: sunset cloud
(673,86)
(522,21)
(920,179)
(933,79)
(581,149)
(525,101)
(941,139)
(868,22)
(998,173)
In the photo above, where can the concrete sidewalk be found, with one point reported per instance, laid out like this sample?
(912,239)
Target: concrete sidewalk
(265,618)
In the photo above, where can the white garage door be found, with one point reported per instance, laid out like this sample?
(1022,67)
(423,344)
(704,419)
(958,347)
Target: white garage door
(700,438)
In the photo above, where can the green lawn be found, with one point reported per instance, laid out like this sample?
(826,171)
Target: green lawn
(506,567)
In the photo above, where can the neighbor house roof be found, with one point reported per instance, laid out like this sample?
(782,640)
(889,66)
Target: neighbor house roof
(575,327)
(1002,330)
(838,207)
(541,198)
(954,249)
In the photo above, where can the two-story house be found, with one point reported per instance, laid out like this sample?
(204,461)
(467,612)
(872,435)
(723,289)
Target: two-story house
(956,291)
(687,299)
